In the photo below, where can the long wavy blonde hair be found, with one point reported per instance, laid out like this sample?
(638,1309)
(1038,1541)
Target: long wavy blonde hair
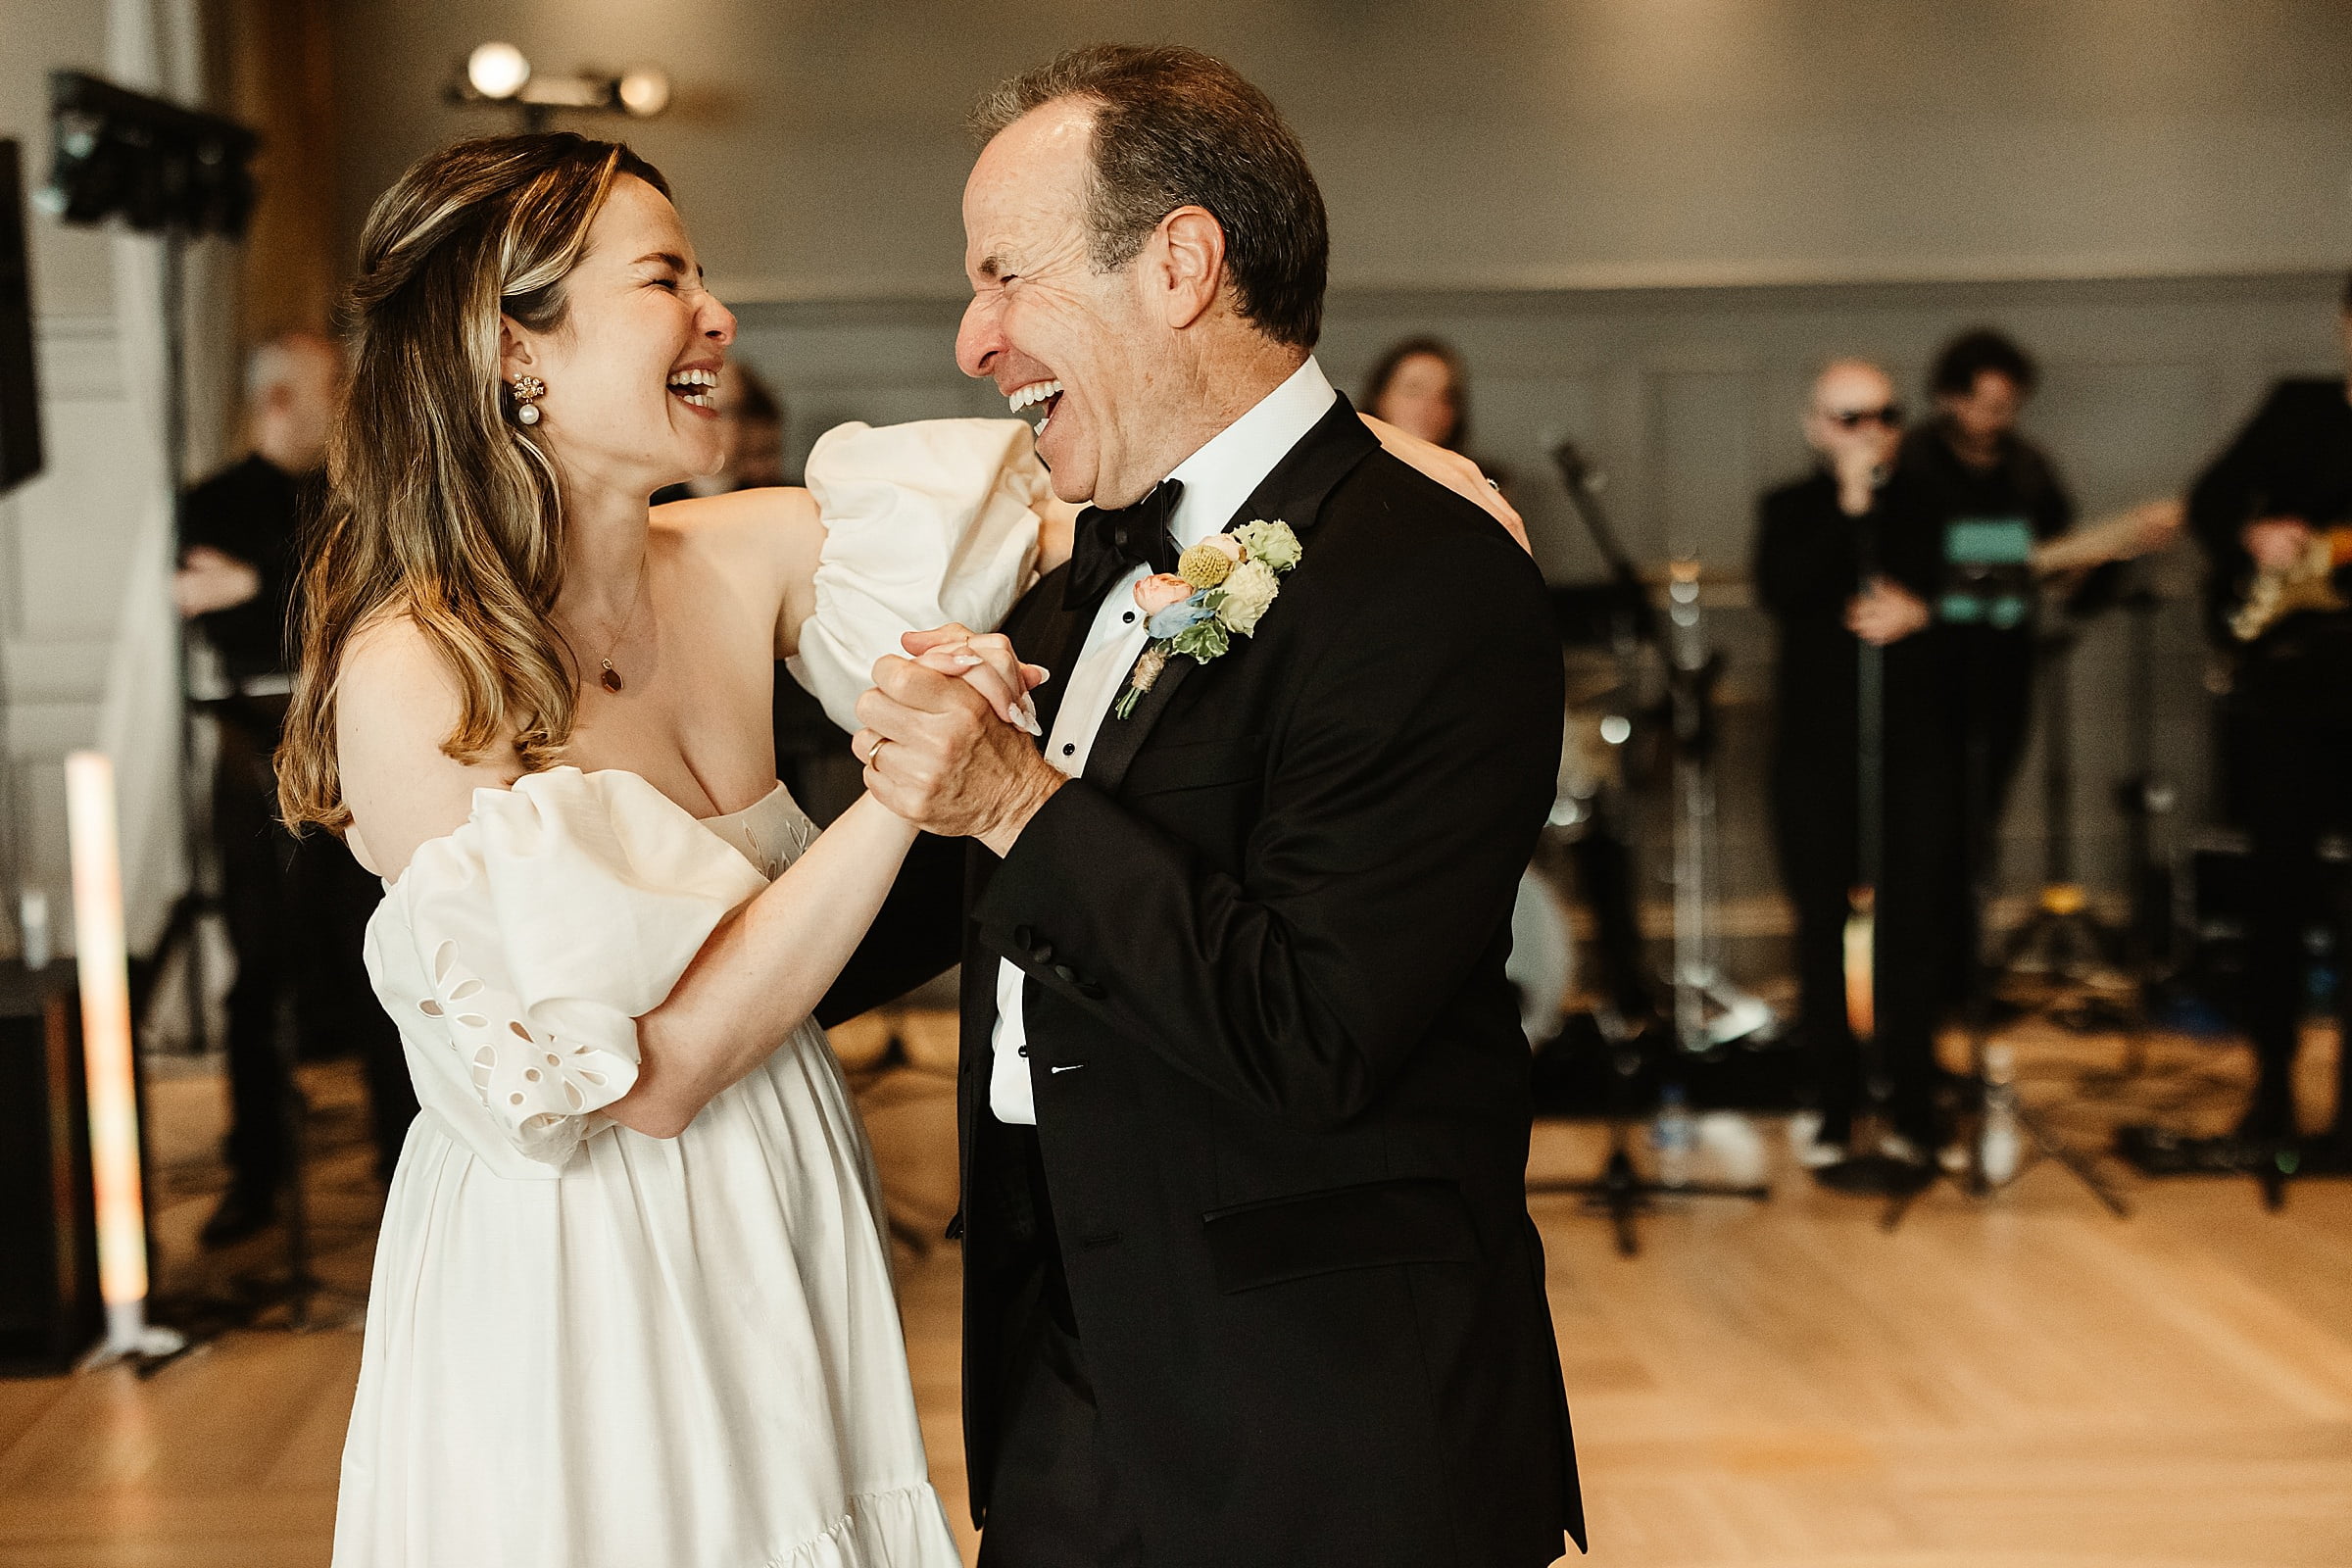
(441,506)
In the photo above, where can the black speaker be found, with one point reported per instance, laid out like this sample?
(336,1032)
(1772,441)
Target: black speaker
(50,1309)
(19,395)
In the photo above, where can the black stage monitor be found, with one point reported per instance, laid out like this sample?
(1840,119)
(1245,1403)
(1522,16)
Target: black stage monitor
(19,397)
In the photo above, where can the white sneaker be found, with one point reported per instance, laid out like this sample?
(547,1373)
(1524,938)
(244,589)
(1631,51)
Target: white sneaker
(1818,1156)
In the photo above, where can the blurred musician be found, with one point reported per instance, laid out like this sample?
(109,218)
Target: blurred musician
(1421,386)
(1971,464)
(1840,560)
(2270,514)
(295,913)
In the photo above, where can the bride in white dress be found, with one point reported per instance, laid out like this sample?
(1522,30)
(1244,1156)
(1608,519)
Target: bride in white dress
(632,1301)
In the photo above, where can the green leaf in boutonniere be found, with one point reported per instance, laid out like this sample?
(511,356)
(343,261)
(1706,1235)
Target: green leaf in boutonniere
(1203,640)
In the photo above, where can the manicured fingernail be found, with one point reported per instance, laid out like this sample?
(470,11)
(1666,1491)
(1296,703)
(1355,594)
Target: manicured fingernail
(967,661)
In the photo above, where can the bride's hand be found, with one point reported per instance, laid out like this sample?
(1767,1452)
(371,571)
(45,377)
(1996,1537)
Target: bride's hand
(1452,470)
(987,661)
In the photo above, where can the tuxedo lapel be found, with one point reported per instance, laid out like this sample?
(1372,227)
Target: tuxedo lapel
(1294,493)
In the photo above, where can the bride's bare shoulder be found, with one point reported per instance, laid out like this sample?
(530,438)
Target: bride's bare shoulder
(392,679)
(397,705)
(769,529)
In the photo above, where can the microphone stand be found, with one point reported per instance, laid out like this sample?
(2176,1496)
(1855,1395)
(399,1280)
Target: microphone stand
(1620,1190)
(1867,1169)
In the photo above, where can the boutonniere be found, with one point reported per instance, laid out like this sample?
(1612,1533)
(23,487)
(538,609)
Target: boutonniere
(1219,591)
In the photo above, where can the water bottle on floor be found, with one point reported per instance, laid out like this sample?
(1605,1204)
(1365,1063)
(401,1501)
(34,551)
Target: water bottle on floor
(2004,1146)
(1674,1136)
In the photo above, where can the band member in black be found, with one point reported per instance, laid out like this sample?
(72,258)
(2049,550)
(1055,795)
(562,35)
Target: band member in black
(1840,562)
(2265,507)
(295,913)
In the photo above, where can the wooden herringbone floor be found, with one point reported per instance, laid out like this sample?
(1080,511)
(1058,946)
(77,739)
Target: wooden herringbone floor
(2019,1383)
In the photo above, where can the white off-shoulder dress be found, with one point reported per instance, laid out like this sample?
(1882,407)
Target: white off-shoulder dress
(590,1349)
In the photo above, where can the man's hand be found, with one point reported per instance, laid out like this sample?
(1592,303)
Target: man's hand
(937,753)
(210,579)
(1887,614)
(2278,544)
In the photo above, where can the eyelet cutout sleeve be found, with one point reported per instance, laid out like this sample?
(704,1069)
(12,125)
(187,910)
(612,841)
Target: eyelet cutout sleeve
(925,523)
(522,949)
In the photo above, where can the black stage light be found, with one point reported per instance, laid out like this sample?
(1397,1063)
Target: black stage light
(19,391)
(157,167)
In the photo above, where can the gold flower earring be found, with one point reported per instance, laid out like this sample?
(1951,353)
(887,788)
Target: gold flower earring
(527,390)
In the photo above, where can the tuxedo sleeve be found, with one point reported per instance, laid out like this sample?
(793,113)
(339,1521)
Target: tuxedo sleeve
(1403,795)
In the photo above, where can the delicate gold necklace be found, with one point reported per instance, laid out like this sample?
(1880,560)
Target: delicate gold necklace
(610,678)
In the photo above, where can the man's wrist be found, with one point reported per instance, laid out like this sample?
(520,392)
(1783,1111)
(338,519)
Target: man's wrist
(1039,788)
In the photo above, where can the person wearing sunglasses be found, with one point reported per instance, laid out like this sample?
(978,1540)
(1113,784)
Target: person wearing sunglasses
(1841,559)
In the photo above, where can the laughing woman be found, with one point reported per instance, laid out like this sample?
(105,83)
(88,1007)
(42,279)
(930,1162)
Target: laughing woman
(632,1302)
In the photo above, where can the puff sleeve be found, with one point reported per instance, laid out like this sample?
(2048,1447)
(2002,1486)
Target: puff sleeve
(925,523)
(518,953)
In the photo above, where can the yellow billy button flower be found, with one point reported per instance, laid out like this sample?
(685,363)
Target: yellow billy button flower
(1210,562)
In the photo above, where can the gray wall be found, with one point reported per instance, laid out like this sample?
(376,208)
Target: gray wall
(1489,143)
(1643,223)
(1689,398)
(63,537)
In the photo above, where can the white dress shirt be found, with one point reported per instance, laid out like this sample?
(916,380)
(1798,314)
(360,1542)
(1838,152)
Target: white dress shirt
(1216,480)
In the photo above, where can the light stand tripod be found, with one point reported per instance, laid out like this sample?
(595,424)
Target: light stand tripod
(1620,1190)
(2062,939)
(2142,797)
(1987,588)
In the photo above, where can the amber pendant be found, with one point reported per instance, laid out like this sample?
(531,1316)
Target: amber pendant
(610,677)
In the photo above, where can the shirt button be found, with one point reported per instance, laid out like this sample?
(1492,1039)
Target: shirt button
(1069,748)
(1024,1050)
(1129,617)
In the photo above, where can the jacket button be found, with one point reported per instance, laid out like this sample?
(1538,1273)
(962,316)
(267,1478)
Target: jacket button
(1065,973)
(1043,952)
(1024,936)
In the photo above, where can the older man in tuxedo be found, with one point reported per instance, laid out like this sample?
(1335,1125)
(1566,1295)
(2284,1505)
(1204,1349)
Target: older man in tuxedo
(1250,1277)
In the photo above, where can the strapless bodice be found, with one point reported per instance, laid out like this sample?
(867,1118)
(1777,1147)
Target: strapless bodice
(772,832)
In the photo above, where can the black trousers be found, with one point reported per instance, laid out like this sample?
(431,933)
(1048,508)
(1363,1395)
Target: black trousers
(2294,786)
(1923,878)
(297,914)
(1055,1498)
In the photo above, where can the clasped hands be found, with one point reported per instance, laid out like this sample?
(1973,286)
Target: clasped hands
(1886,613)
(946,742)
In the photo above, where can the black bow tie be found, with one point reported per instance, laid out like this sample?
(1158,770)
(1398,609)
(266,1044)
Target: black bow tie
(1111,544)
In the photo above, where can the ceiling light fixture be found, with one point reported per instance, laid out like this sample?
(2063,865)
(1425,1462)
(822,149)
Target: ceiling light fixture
(500,74)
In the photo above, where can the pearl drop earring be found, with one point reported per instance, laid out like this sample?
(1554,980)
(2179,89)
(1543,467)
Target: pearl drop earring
(527,390)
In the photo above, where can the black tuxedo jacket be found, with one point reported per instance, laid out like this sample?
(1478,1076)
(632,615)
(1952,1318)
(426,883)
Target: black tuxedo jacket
(1282,1092)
